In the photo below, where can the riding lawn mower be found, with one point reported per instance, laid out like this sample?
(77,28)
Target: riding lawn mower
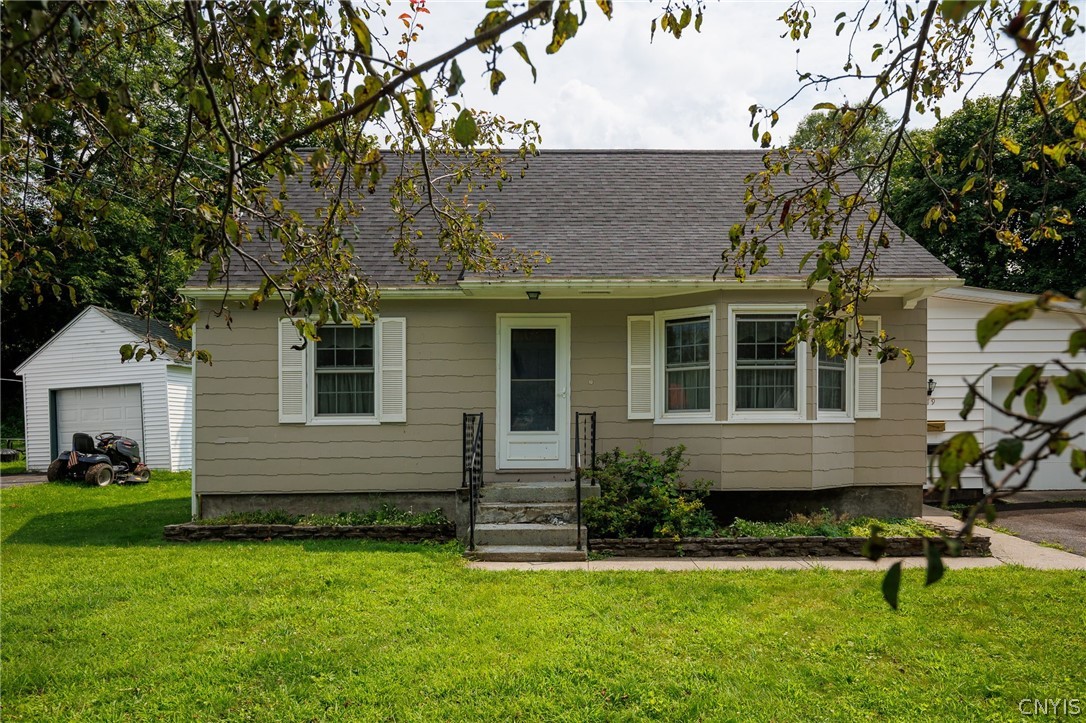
(114,458)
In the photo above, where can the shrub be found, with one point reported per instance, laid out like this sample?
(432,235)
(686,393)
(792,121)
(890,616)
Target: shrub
(641,496)
(826,524)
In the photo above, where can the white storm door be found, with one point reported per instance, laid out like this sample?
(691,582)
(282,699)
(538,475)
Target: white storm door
(533,391)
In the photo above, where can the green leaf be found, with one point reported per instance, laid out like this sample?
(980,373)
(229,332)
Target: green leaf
(935,563)
(41,113)
(997,319)
(1077,342)
(891,585)
(362,34)
(456,78)
(127,352)
(496,79)
(874,546)
(465,130)
(1035,402)
(825,106)
(1007,452)
(955,455)
(968,403)
(1078,462)
(956,10)
(523,53)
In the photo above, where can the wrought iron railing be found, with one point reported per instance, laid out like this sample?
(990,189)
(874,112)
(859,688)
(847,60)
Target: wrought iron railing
(473,467)
(584,442)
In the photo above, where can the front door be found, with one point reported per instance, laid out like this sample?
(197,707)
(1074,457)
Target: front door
(533,391)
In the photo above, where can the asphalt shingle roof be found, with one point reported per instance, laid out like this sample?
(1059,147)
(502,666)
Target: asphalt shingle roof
(607,214)
(141,327)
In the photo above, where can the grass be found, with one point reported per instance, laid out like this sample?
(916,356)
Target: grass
(102,620)
(16,467)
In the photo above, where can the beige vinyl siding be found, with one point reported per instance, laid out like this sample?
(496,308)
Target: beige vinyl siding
(891,450)
(451,361)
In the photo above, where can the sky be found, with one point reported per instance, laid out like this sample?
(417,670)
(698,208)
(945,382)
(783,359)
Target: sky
(608,87)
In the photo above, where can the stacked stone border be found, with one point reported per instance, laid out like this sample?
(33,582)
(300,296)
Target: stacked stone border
(192,532)
(773,547)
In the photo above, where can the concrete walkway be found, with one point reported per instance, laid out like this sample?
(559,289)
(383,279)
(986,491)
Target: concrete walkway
(21,479)
(1006,550)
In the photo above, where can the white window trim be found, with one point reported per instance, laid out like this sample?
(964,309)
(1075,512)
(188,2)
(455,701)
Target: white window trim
(850,392)
(339,420)
(800,413)
(660,343)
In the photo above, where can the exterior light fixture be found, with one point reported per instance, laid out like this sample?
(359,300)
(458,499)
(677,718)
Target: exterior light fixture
(931,386)
(533,295)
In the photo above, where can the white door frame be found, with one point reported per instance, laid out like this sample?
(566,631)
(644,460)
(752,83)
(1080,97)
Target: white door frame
(537,450)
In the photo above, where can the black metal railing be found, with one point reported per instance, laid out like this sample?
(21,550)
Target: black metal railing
(473,467)
(584,443)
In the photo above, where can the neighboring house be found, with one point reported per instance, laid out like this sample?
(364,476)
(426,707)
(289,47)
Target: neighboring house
(954,356)
(626,321)
(76,383)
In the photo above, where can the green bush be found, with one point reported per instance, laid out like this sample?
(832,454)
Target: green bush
(641,496)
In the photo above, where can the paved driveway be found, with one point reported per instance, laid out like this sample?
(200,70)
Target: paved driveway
(1064,525)
(18,480)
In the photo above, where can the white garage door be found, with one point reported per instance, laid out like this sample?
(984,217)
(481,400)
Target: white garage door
(99,409)
(1054,473)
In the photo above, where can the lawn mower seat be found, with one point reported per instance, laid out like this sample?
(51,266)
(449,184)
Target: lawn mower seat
(83,443)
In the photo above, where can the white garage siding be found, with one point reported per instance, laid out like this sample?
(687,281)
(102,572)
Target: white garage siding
(179,393)
(85,355)
(954,355)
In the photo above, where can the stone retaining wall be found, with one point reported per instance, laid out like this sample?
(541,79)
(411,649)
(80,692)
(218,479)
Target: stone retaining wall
(190,532)
(772,547)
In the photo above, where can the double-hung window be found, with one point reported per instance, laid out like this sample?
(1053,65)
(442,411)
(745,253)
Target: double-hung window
(767,375)
(351,376)
(688,364)
(344,371)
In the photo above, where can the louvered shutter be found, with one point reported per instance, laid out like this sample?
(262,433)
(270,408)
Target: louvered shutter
(292,374)
(393,369)
(869,373)
(639,367)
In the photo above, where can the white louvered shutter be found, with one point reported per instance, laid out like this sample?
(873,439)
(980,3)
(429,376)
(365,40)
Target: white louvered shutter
(292,374)
(393,369)
(869,373)
(639,356)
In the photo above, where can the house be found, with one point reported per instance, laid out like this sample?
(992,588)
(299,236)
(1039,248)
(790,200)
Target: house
(954,356)
(626,321)
(75,382)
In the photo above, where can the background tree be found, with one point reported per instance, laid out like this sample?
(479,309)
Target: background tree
(1055,260)
(821,131)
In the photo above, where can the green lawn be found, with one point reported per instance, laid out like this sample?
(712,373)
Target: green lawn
(101,620)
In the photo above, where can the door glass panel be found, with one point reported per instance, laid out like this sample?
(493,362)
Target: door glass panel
(532,379)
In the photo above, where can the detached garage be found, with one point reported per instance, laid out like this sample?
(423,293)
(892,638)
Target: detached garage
(954,355)
(76,383)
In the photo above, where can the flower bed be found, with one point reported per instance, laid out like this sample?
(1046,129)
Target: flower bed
(386,523)
(774,546)
(197,532)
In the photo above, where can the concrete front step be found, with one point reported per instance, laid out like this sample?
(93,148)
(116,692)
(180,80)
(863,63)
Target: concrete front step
(545,513)
(528,553)
(534,535)
(533,492)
